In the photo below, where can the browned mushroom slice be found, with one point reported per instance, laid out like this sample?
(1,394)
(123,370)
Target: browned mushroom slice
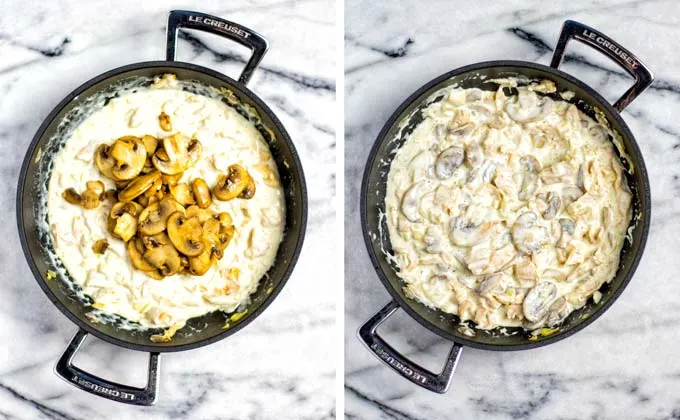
(139,186)
(201,193)
(202,214)
(249,191)
(122,184)
(154,218)
(232,184)
(165,122)
(171,180)
(100,246)
(154,241)
(96,186)
(136,250)
(150,144)
(90,199)
(130,155)
(177,154)
(164,258)
(148,166)
(200,264)
(185,234)
(123,220)
(104,161)
(154,274)
(182,194)
(72,196)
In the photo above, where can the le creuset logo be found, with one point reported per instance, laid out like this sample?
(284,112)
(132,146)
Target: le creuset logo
(392,362)
(102,389)
(219,24)
(611,46)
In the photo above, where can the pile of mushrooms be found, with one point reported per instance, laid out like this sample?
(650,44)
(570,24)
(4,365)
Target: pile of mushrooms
(167,225)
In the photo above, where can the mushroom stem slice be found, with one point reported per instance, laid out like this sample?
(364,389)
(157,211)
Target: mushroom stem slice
(201,193)
(138,186)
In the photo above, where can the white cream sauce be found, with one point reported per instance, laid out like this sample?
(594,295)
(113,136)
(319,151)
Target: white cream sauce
(110,279)
(507,210)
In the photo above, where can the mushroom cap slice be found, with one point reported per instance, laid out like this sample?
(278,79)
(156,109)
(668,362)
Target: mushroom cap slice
(232,184)
(177,155)
(130,154)
(72,196)
(139,186)
(154,241)
(136,250)
(154,218)
(164,258)
(183,194)
(185,234)
(201,193)
(104,161)
(90,199)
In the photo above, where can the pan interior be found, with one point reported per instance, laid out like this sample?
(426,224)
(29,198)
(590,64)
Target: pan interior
(395,133)
(33,210)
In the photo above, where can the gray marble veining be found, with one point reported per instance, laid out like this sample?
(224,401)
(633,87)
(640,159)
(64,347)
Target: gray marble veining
(623,366)
(281,366)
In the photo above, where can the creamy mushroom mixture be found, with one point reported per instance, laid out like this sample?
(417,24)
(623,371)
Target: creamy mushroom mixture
(507,210)
(227,139)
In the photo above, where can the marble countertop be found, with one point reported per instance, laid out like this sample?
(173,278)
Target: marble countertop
(282,365)
(624,365)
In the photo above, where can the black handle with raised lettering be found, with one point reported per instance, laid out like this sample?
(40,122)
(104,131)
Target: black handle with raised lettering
(408,369)
(214,25)
(103,388)
(602,43)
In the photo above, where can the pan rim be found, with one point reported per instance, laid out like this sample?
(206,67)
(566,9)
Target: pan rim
(165,348)
(645,198)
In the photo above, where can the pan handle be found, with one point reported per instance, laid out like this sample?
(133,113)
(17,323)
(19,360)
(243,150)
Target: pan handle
(101,387)
(207,23)
(601,42)
(407,368)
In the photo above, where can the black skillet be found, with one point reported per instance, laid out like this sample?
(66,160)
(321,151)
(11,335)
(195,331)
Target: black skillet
(409,114)
(36,241)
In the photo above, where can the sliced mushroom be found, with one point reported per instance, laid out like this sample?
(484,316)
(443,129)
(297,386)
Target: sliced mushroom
(165,122)
(237,183)
(182,194)
(530,178)
(96,186)
(200,264)
(558,312)
(537,302)
(433,241)
(90,199)
(171,180)
(155,241)
(100,246)
(448,161)
(201,193)
(150,144)
(202,214)
(72,196)
(109,195)
(526,235)
(121,184)
(163,258)
(154,218)
(185,234)
(123,220)
(130,155)
(465,233)
(136,249)
(528,107)
(104,161)
(409,202)
(178,154)
(554,206)
(473,154)
(139,186)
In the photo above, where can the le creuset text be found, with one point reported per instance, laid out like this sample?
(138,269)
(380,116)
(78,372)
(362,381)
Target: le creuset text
(219,24)
(103,390)
(611,46)
(393,362)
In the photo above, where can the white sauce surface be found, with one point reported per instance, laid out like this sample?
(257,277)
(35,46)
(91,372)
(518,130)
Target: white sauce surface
(110,279)
(454,228)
